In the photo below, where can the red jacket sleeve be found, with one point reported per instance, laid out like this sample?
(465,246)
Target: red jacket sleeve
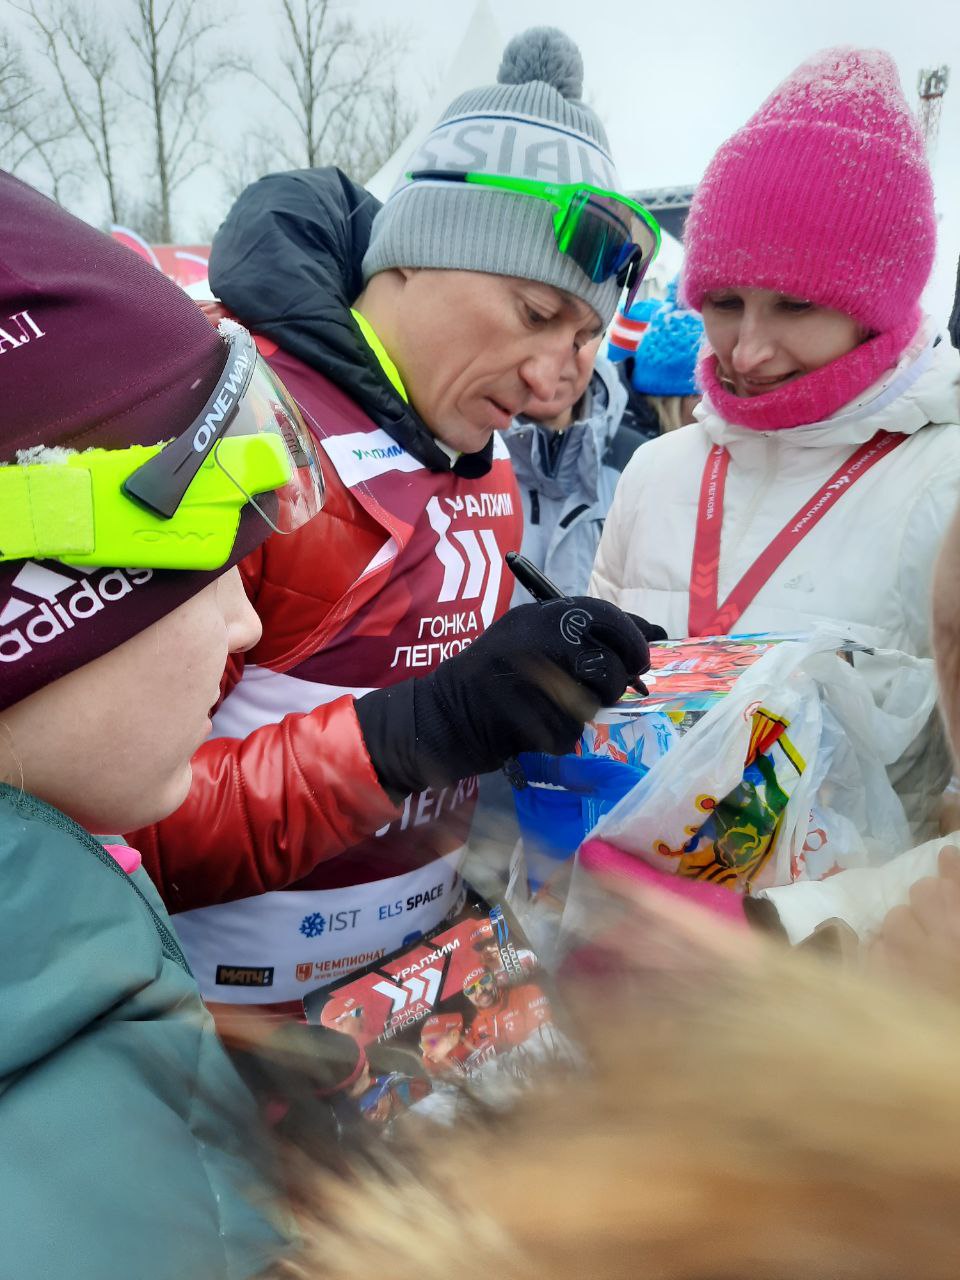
(264,810)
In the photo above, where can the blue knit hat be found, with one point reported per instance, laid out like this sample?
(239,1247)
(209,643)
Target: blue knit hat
(667,357)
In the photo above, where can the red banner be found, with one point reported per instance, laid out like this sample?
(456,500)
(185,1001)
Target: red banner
(185,264)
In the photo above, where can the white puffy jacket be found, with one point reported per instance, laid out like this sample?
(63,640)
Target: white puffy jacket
(867,565)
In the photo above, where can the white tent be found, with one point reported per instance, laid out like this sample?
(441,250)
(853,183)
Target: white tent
(474,63)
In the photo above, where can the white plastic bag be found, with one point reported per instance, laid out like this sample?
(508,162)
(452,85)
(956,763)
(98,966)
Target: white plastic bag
(842,810)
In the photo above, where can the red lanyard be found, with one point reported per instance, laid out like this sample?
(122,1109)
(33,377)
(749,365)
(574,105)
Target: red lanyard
(707,616)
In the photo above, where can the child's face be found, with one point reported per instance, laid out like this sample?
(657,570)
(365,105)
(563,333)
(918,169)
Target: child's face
(111,742)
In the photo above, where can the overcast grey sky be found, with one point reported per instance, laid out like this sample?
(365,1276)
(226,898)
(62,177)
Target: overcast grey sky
(671,80)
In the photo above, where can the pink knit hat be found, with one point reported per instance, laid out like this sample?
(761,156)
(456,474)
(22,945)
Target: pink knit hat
(824,195)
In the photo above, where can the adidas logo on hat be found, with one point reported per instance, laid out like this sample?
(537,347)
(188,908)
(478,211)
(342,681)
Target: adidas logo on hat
(44,603)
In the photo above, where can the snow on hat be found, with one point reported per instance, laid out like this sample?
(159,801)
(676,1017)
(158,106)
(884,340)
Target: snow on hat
(97,347)
(531,124)
(667,359)
(824,195)
(629,329)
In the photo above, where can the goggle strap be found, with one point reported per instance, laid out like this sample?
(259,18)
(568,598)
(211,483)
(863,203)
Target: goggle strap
(45,511)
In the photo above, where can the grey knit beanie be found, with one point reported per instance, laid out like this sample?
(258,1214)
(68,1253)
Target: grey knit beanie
(530,124)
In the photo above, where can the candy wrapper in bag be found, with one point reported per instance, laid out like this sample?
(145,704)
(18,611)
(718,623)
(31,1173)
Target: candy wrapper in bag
(466,1004)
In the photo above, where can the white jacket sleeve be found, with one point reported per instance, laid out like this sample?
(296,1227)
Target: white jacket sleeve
(609,568)
(861,897)
(925,529)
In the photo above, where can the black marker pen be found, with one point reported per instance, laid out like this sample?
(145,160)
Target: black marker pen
(543,590)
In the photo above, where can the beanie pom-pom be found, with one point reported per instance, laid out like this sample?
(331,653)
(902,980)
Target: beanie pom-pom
(545,54)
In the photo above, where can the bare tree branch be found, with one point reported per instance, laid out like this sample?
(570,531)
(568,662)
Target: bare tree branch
(32,128)
(17,95)
(375,140)
(257,154)
(338,87)
(85,61)
(170,39)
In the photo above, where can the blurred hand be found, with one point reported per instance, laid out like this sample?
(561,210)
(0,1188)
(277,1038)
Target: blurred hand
(920,941)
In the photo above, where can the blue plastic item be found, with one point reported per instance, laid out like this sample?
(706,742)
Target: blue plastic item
(554,818)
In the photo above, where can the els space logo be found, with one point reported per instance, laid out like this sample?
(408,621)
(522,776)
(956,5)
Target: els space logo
(43,604)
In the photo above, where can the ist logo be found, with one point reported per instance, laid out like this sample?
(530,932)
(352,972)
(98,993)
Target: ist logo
(316,924)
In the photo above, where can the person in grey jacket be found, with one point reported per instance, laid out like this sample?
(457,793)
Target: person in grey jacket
(567,455)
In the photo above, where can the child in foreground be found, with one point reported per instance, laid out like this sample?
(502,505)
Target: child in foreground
(130,1146)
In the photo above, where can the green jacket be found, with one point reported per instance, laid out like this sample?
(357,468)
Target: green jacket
(126,1136)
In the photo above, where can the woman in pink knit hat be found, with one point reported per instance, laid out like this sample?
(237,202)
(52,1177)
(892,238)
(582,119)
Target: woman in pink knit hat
(824,466)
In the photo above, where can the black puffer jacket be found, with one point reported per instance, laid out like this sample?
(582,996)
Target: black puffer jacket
(287,263)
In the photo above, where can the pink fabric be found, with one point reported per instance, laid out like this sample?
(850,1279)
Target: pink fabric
(128,859)
(600,858)
(824,195)
(817,395)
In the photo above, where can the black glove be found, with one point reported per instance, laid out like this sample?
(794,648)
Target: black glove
(528,684)
(649,630)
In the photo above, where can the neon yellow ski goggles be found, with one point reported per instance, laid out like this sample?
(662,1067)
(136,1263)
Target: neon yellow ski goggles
(174,505)
(608,236)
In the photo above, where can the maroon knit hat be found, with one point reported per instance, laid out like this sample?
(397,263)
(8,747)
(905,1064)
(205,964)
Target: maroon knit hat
(96,348)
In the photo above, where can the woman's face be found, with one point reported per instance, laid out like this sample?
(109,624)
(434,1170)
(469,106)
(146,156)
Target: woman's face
(110,743)
(763,340)
(557,411)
